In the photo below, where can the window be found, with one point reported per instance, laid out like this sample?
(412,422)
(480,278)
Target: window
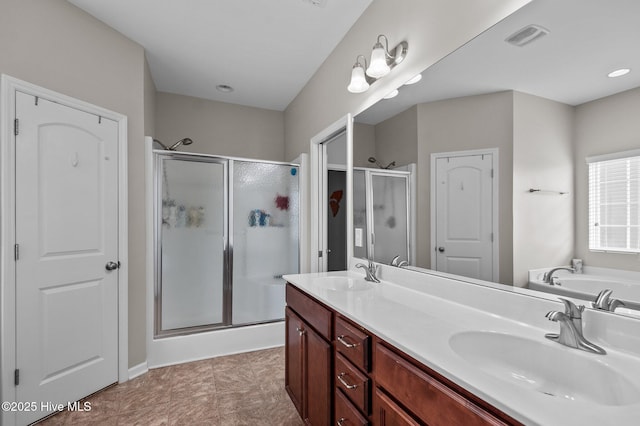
(614,199)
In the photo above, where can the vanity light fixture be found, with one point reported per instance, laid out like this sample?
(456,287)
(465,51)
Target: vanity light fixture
(382,62)
(619,73)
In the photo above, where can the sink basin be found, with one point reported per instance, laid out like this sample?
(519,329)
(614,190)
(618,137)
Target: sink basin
(342,284)
(557,371)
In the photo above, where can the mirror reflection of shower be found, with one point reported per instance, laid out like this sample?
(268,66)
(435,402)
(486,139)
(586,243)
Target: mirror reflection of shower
(185,142)
(387,167)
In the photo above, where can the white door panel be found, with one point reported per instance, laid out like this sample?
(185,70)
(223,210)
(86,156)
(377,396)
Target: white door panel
(464,216)
(67,231)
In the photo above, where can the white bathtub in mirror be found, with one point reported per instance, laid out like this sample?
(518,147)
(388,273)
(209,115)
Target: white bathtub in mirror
(587,285)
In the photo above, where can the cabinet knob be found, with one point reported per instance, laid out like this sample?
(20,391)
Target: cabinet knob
(340,422)
(300,331)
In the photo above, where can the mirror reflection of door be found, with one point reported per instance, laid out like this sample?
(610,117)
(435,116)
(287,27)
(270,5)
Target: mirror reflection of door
(463,207)
(334,205)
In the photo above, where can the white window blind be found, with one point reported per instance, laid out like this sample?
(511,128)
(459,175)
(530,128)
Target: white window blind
(614,199)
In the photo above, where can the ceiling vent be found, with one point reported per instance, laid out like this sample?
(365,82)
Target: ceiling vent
(527,35)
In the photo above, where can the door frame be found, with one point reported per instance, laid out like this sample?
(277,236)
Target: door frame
(495,212)
(318,201)
(8,88)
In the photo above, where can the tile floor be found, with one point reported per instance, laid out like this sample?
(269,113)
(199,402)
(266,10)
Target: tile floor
(243,389)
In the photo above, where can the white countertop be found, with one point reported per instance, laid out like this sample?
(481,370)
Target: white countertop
(411,318)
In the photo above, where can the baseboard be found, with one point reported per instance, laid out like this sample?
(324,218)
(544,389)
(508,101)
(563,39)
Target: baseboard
(138,370)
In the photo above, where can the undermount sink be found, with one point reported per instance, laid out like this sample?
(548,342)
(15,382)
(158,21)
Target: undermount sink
(342,283)
(542,367)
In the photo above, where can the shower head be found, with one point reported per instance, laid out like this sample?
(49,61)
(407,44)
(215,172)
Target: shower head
(388,166)
(185,141)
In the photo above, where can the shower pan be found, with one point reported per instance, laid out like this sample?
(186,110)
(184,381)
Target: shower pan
(225,231)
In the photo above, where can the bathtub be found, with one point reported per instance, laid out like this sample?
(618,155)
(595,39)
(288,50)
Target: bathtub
(587,285)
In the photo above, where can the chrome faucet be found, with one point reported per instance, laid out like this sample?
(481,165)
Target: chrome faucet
(548,276)
(370,270)
(397,262)
(605,302)
(571,328)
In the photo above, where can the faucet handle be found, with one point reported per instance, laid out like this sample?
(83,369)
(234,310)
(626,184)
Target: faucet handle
(395,260)
(571,310)
(602,299)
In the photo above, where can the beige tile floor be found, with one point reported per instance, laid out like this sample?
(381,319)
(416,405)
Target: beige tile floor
(243,389)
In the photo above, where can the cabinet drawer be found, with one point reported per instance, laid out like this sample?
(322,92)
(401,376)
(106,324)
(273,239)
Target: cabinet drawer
(425,396)
(316,315)
(345,413)
(353,344)
(353,383)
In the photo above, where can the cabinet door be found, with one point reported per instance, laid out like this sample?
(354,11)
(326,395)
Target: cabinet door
(294,359)
(318,386)
(388,413)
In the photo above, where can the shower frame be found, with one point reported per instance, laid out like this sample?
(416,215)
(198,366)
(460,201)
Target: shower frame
(227,304)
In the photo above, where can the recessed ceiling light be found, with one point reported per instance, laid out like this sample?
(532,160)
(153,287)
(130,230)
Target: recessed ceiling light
(619,73)
(414,80)
(392,94)
(224,88)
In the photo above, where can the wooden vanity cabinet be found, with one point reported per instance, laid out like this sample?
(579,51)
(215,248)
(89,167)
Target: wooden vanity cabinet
(338,373)
(308,354)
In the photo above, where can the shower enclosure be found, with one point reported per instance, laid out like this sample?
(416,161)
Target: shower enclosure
(382,215)
(226,230)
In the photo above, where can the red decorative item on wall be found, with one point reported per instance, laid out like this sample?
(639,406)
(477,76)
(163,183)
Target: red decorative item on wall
(334,201)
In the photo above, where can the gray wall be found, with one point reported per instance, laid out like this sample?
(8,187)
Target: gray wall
(397,138)
(543,223)
(472,122)
(220,128)
(603,126)
(364,144)
(56,45)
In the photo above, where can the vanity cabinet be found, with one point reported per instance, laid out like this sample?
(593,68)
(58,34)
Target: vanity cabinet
(338,373)
(308,357)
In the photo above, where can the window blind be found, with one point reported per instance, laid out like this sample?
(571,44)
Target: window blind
(614,199)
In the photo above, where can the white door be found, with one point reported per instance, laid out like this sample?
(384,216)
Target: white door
(67,233)
(464,216)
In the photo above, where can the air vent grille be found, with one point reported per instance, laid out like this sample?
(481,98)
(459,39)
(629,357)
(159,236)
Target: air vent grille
(527,35)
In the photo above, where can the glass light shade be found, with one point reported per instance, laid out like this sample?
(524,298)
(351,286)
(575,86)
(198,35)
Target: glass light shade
(358,82)
(414,80)
(378,66)
(391,94)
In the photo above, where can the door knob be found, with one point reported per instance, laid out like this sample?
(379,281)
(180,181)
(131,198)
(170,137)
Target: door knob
(110,266)
(441,249)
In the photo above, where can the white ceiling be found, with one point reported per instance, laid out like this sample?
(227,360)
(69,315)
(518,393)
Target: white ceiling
(587,40)
(266,50)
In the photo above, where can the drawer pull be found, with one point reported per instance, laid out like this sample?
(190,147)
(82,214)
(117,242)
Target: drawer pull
(342,340)
(344,382)
(301,331)
(340,421)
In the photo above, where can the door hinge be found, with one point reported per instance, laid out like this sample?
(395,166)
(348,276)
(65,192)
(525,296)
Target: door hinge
(492,237)
(16,377)
(492,173)
(319,253)
(16,251)
(16,127)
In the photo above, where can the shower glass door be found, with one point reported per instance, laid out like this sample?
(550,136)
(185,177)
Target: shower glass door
(192,245)
(390,217)
(265,238)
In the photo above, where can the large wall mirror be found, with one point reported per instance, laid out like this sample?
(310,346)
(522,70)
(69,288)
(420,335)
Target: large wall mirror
(493,141)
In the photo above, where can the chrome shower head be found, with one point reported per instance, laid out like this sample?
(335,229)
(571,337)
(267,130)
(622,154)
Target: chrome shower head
(388,166)
(185,141)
